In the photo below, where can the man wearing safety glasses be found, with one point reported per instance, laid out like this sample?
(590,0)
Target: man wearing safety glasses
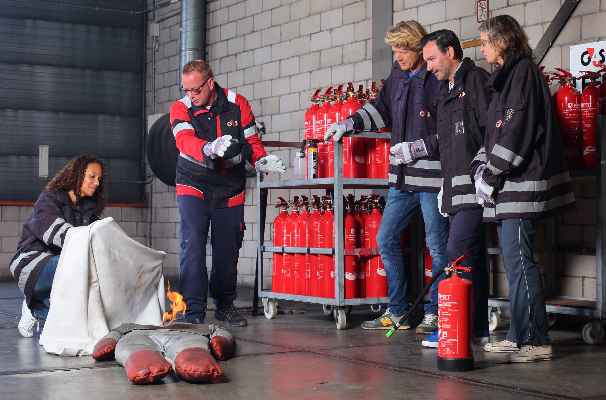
(216,133)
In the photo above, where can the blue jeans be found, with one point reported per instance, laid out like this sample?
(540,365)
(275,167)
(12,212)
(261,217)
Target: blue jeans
(227,233)
(398,212)
(528,323)
(44,284)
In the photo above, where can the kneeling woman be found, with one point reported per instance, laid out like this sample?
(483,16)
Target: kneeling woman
(76,196)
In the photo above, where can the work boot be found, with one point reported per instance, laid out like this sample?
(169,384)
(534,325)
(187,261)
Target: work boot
(504,346)
(27,322)
(385,321)
(228,313)
(531,353)
(196,321)
(429,324)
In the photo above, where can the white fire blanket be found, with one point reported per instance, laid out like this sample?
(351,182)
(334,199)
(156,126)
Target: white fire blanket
(104,279)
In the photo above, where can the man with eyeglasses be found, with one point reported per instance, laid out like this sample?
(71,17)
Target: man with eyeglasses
(216,133)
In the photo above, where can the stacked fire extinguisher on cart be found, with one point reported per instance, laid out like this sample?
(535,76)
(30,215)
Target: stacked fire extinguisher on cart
(576,116)
(310,224)
(362,158)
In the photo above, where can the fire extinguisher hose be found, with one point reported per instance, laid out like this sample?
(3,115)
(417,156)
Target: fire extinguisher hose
(454,265)
(415,304)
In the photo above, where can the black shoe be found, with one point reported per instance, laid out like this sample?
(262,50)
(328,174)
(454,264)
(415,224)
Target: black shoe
(229,313)
(196,321)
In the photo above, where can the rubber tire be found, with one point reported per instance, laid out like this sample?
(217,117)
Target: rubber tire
(327,309)
(495,321)
(271,310)
(162,151)
(552,319)
(340,318)
(348,310)
(372,307)
(593,333)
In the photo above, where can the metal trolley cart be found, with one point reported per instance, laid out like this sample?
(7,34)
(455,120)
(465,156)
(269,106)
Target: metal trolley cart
(338,305)
(594,308)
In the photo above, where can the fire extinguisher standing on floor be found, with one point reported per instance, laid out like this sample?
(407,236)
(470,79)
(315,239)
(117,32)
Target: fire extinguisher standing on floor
(589,111)
(277,284)
(568,109)
(455,310)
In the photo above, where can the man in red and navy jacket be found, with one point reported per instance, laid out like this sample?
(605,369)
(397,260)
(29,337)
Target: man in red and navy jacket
(216,134)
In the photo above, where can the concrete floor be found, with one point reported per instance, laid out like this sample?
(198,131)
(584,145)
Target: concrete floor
(301,355)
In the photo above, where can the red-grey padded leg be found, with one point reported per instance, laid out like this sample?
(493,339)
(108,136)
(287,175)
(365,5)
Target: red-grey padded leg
(146,366)
(196,365)
(104,349)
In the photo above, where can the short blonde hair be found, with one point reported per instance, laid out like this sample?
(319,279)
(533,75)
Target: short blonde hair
(198,65)
(406,35)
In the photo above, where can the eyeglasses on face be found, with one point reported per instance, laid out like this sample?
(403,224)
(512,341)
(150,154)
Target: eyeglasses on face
(195,91)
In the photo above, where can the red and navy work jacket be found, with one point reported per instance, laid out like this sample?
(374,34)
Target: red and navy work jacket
(408,104)
(220,182)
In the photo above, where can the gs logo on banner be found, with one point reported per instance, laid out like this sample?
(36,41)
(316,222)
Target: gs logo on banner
(591,56)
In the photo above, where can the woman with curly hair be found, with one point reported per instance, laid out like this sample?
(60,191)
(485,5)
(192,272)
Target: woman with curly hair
(76,196)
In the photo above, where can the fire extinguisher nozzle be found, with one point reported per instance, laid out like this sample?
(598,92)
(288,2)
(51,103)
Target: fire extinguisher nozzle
(391,331)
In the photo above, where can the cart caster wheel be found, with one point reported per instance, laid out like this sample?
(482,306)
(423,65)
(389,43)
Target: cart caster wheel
(495,321)
(372,307)
(271,309)
(348,310)
(593,332)
(552,318)
(340,318)
(327,309)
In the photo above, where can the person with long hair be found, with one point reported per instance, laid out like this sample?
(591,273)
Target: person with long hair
(76,196)
(520,177)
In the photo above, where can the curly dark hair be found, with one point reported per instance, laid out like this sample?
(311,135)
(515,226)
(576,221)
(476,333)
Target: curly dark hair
(72,176)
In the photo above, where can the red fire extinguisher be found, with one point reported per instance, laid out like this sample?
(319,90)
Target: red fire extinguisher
(334,115)
(602,89)
(312,278)
(277,284)
(589,111)
(569,119)
(351,261)
(327,261)
(353,148)
(289,241)
(455,310)
(377,150)
(310,116)
(376,278)
(360,241)
(321,114)
(301,261)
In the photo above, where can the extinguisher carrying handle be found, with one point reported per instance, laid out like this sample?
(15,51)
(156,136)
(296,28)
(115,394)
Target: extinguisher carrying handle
(454,266)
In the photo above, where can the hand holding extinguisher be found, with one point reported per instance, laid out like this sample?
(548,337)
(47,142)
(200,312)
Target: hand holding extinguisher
(454,266)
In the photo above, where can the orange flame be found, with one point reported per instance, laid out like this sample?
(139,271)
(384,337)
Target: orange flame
(178,306)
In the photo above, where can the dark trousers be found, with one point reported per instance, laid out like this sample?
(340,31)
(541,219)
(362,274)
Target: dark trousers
(227,232)
(468,236)
(526,301)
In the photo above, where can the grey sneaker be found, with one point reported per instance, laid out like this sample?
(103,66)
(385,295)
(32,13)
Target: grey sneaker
(504,346)
(530,353)
(429,324)
(385,321)
(27,322)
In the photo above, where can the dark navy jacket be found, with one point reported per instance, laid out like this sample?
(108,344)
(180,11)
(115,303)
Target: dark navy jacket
(461,128)
(523,150)
(409,105)
(43,236)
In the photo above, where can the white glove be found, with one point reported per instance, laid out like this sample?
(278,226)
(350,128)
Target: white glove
(270,164)
(440,195)
(217,147)
(483,190)
(338,129)
(405,152)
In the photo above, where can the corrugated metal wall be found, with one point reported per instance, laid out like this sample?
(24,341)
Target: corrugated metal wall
(70,77)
